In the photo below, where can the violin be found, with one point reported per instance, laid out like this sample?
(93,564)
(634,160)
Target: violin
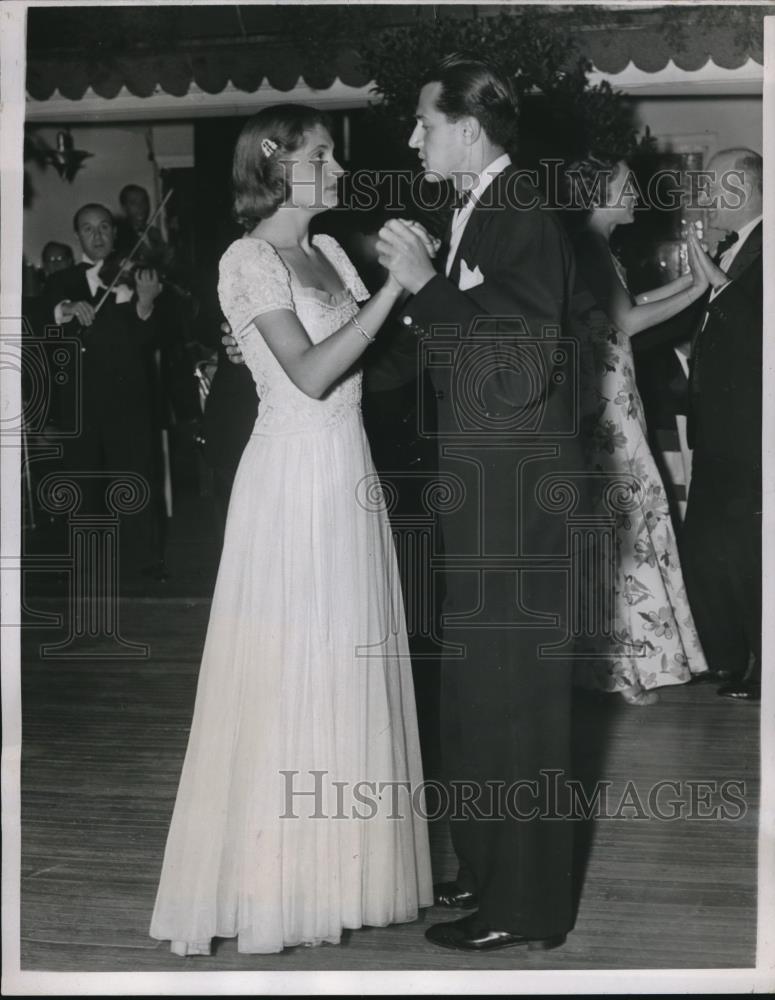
(120,270)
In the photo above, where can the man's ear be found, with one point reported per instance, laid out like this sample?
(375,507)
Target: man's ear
(471,130)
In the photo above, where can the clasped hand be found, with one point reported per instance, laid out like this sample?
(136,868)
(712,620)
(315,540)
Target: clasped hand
(405,249)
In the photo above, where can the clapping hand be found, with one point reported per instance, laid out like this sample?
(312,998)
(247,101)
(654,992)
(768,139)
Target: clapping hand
(405,252)
(233,353)
(703,269)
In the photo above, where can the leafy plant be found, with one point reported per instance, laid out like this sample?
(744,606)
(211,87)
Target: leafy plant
(562,115)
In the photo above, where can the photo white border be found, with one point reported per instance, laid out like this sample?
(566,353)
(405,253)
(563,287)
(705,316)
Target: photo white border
(16,982)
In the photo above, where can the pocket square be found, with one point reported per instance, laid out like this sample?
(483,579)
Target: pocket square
(468,278)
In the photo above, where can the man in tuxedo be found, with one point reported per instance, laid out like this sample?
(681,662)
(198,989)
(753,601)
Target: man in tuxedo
(494,318)
(115,404)
(721,541)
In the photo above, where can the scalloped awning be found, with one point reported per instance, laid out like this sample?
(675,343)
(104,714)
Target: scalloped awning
(246,46)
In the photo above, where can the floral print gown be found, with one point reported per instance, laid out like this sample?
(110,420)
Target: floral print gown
(655,642)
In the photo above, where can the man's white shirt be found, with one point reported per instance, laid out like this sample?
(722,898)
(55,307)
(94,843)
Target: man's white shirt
(462,215)
(727,258)
(122,292)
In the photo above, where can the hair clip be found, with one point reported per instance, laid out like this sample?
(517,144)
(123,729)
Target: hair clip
(268,146)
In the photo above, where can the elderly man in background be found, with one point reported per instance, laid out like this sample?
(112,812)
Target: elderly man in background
(721,542)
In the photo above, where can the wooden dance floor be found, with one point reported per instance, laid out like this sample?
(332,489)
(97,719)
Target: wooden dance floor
(103,746)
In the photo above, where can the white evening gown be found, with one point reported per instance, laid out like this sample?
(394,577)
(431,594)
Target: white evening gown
(305,683)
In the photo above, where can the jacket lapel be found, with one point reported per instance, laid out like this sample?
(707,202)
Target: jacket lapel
(83,281)
(747,253)
(482,214)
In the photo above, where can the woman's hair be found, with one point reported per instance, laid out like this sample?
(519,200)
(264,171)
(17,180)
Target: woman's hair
(259,174)
(587,182)
(472,87)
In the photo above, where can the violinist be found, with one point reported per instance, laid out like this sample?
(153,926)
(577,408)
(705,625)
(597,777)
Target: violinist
(115,325)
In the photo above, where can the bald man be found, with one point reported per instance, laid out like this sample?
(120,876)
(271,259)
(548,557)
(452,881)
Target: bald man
(721,542)
(115,433)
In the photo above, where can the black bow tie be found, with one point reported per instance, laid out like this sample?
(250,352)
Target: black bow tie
(462,199)
(729,241)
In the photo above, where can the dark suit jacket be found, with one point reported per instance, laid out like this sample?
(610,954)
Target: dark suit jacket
(502,359)
(726,368)
(114,350)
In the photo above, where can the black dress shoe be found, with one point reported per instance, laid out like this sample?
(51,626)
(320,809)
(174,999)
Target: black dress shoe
(450,894)
(741,691)
(713,677)
(467,934)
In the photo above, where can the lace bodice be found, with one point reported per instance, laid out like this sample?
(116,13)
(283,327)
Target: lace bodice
(253,279)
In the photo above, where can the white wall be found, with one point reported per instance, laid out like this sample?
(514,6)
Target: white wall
(709,123)
(120,157)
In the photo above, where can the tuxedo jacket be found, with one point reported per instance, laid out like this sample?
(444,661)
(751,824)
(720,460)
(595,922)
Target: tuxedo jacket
(114,350)
(498,340)
(725,373)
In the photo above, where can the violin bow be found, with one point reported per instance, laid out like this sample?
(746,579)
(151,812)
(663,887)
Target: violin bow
(134,250)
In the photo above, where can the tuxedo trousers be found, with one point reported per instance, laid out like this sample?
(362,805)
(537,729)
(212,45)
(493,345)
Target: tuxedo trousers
(721,558)
(505,715)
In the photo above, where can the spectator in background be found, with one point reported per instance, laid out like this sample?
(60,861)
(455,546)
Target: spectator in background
(722,537)
(136,206)
(56,257)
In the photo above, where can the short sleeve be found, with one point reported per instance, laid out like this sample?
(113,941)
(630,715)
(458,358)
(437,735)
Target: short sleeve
(252,280)
(344,267)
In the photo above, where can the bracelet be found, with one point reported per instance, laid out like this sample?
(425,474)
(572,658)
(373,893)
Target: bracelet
(361,331)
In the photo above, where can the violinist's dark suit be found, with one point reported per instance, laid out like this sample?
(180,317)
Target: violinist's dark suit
(116,400)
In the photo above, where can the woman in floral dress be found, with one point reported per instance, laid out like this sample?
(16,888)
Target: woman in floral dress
(654,639)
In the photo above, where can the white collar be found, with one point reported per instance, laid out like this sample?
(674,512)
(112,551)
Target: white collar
(745,231)
(121,290)
(462,215)
(486,177)
(727,258)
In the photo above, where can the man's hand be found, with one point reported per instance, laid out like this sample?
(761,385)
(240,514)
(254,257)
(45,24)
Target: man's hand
(233,353)
(82,311)
(431,243)
(148,289)
(698,259)
(404,254)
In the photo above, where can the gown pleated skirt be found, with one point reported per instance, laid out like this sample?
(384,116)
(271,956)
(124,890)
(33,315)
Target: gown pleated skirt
(300,806)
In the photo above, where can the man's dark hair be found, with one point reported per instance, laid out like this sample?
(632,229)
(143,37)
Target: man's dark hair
(472,87)
(131,189)
(90,205)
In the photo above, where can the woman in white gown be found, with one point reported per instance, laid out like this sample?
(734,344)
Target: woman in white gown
(299,811)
